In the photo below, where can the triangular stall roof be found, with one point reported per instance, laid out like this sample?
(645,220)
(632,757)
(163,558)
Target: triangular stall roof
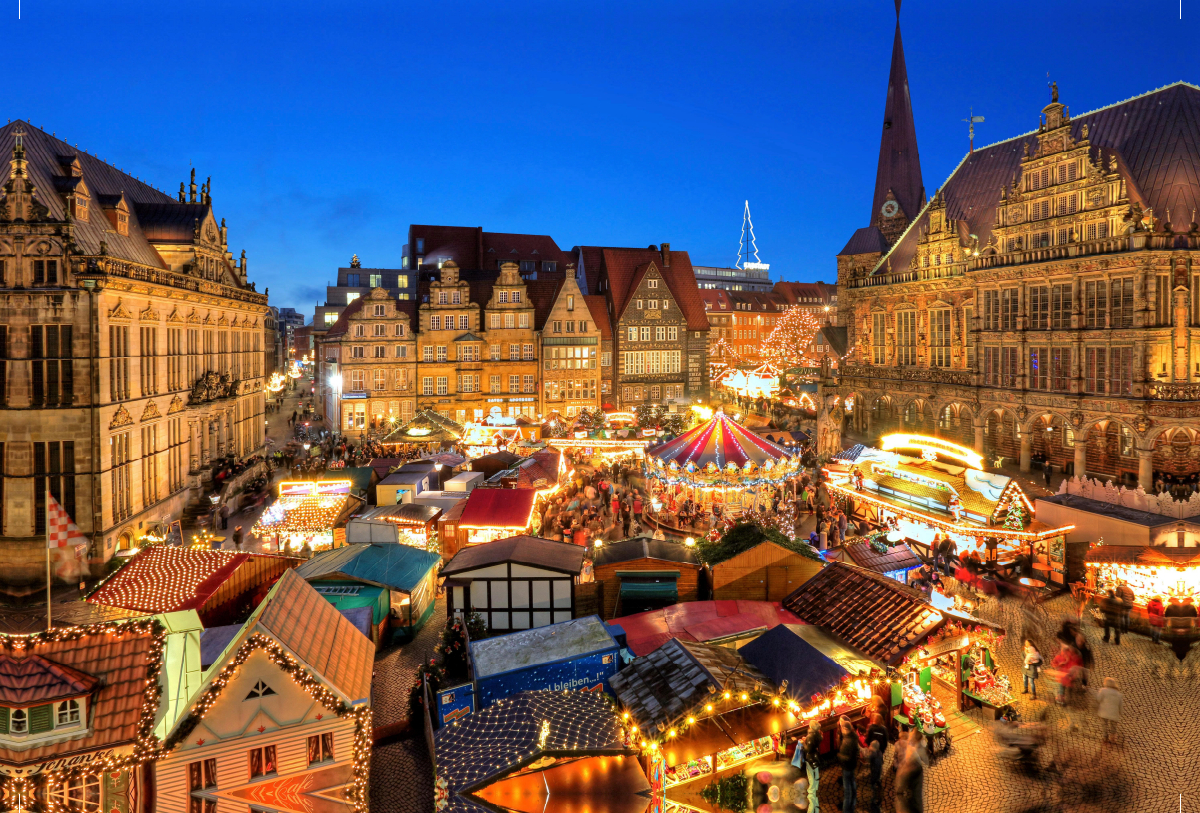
(526,550)
(381,564)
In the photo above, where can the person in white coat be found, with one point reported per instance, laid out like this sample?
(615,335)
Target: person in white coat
(1110,700)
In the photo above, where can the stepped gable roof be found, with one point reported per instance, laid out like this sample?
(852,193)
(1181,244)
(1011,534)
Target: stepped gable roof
(867,240)
(120,665)
(1156,137)
(527,550)
(49,160)
(598,307)
(899,169)
(870,612)
(625,267)
(680,676)
(33,679)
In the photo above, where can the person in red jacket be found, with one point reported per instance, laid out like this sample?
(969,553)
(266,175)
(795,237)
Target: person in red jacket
(1154,612)
(1067,663)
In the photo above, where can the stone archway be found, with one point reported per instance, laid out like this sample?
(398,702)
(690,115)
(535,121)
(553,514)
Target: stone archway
(1052,438)
(918,417)
(955,422)
(1001,435)
(884,417)
(1111,451)
(125,540)
(1177,454)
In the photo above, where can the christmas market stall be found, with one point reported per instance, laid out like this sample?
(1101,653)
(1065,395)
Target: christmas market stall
(416,524)
(769,571)
(699,709)
(895,560)
(545,750)
(1169,573)
(426,430)
(718,467)
(491,513)
(218,584)
(728,623)
(920,488)
(308,513)
(398,582)
(635,575)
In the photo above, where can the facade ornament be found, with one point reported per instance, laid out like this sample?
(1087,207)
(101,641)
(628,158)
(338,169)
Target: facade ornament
(121,418)
(150,412)
(1077,418)
(177,405)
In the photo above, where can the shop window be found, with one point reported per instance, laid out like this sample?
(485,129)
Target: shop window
(320,748)
(262,761)
(80,794)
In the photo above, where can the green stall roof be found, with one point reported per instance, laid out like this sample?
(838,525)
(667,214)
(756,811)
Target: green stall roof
(383,564)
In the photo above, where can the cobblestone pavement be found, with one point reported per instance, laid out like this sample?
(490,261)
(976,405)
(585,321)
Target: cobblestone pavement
(401,773)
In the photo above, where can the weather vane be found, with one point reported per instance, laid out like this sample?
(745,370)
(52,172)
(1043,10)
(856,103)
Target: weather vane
(971,121)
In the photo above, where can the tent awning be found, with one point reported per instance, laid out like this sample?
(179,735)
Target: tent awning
(664,590)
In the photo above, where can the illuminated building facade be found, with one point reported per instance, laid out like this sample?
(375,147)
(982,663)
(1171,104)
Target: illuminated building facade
(132,352)
(571,352)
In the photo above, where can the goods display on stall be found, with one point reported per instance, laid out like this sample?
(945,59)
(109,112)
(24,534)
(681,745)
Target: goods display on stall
(426,429)
(307,512)
(1169,573)
(921,487)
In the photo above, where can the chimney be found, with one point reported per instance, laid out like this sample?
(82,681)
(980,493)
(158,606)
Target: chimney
(666,255)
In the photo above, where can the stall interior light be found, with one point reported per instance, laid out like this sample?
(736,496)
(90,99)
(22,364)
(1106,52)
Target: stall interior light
(904,440)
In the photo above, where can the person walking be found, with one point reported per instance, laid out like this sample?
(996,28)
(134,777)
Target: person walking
(1033,664)
(1109,704)
(810,749)
(1154,614)
(875,763)
(1125,593)
(1110,607)
(1047,471)
(910,778)
(848,759)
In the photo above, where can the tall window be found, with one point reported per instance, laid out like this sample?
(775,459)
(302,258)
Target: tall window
(1039,374)
(1096,374)
(118,365)
(1060,372)
(193,361)
(514,352)
(52,373)
(149,465)
(380,380)
(878,337)
(262,761)
(906,337)
(1009,367)
(1039,307)
(991,310)
(175,442)
(3,365)
(45,272)
(320,748)
(1009,304)
(1195,302)
(1060,307)
(1120,370)
(174,359)
(148,336)
(53,465)
(991,366)
(122,507)
(514,383)
(1162,300)
(939,337)
(1095,301)
(443,385)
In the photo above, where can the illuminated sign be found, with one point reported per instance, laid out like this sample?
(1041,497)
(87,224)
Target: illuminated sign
(923,443)
(306,488)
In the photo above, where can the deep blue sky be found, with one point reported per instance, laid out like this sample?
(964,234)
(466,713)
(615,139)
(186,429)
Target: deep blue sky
(328,128)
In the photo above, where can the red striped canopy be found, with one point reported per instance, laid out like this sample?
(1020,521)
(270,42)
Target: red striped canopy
(720,441)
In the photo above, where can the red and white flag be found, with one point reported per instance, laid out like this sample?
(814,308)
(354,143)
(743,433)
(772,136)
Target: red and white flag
(61,530)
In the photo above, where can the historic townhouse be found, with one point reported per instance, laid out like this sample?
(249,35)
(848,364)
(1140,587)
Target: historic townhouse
(598,307)
(571,349)
(132,351)
(374,346)
(660,330)
(1046,301)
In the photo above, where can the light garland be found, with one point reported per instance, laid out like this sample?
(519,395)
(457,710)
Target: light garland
(160,578)
(905,440)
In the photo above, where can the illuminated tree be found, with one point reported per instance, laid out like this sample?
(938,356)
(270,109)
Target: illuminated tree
(788,344)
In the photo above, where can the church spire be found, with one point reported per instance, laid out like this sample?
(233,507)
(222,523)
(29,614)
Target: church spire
(899,190)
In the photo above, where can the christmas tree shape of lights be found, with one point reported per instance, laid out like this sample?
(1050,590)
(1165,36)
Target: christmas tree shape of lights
(747,250)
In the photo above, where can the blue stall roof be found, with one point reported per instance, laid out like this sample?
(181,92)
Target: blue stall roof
(781,654)
(555,642)
(383,564)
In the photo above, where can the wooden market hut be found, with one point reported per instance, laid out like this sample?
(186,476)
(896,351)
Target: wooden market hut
(218,584)
(426,427)
(766,572)
(895,561)
(635,575)
(490,513)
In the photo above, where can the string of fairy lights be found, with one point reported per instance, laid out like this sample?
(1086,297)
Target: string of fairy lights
(161,578)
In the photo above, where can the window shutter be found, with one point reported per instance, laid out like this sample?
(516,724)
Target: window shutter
(41,719)
(4,712)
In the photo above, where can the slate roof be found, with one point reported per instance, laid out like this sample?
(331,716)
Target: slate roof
(314,631)
(525,550)
(33,679)
(867,240)
(899,169)
(1156,136)
(835,337)
(598,307)
(758,301)
(383,564)
(867,611)
(498,508)
(118,662)
(645,547)
(679,677)
(900,557)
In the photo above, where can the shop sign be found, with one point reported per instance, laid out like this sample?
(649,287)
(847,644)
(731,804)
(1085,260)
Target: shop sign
(354,396)
(455,703)
(66,763)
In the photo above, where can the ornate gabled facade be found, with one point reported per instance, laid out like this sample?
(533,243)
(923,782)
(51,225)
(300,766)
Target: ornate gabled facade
(117,303)
(1046,302)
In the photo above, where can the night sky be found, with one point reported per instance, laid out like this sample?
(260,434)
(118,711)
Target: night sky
(328,128)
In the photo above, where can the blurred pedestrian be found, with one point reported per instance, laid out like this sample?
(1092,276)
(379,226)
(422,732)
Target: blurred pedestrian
(812,762)
(1110,608)
(910,777)
(1110,701)
(1125,593)
(875,762)
(1033,664)
(1154,614)
(848,758)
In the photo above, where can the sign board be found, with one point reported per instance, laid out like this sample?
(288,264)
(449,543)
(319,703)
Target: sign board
(175,534)
(307,488)
(589,673)
(455,703)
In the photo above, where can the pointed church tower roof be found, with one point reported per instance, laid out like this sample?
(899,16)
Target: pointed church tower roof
(899,169)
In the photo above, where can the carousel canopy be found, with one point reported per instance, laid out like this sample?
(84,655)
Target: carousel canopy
(720,442)
(426,426)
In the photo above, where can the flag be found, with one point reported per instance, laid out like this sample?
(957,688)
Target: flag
(61,530)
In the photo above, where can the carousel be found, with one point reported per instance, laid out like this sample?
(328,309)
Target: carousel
(761,382)
(719,464)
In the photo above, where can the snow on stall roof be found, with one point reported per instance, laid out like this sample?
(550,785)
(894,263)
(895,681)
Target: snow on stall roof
(518,650)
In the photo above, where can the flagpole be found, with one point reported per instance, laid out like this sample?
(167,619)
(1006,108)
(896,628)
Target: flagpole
(49,622)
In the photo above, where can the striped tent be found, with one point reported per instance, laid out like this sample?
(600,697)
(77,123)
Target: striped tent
(722,446)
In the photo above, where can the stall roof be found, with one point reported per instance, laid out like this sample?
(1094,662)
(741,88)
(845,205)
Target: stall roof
(405,513)
(359,477)
(382,564)
(526,550)
(680,676)
(517,650)
(700,621)
(494,742)
(426,426)
(498,508)
(781,654)
(490,464)
(899,557)
(1121,512)
(645,547)
(1149,555)
(876,615)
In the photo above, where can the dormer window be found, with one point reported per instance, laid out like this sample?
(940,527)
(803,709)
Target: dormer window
(122,223)
(79,208)
(380,310)
(260,689)
(67,713)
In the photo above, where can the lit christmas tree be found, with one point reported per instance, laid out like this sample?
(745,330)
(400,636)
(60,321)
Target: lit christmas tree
(788,344)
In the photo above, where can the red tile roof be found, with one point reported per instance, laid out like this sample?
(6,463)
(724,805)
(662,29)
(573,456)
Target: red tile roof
(540,470)
(868,611)
(342,324)
(498,508)
(119,661)
(33,679)
(1156,137)
(168,579)
(598,306)
(315,632)
(700,621)
(623,268)
(716,299)
(807,293)
(473,249)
